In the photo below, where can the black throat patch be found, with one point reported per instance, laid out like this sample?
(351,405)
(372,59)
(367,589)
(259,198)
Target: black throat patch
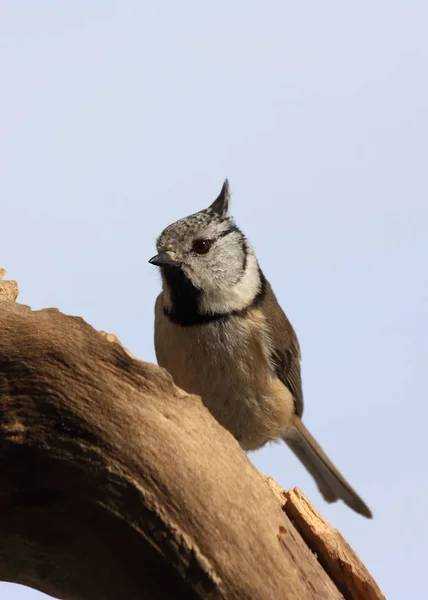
(185,300)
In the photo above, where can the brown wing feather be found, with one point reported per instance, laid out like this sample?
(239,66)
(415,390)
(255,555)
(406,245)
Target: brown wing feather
(286,349)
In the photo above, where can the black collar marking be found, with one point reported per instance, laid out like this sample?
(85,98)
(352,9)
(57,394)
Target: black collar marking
(185,301)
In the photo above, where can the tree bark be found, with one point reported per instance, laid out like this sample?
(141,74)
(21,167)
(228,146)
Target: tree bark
(117,485)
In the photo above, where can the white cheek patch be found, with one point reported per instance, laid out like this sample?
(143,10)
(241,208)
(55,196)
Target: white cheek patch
(225,298)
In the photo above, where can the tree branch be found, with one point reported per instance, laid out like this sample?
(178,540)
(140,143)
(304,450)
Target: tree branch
(115,484)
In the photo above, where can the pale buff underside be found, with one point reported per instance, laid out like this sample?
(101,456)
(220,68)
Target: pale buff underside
(228,366)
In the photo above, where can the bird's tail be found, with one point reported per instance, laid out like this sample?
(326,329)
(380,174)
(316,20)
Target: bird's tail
(329,480)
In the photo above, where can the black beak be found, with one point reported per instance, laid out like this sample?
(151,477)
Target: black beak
(163,260)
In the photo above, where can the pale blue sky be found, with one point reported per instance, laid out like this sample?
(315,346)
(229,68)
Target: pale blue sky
(120,117)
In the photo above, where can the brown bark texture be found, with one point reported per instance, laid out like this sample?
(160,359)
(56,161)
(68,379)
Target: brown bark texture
(117,485)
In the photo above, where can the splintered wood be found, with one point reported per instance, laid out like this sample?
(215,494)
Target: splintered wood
(333,551)
(8,289)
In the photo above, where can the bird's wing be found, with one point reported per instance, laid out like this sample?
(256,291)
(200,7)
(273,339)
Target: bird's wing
(285,348)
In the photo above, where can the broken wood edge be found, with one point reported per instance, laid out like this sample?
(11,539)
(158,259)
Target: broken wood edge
(8,288)
(332,550)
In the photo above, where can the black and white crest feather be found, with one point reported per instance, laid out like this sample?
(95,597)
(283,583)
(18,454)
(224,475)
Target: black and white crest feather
(221,205)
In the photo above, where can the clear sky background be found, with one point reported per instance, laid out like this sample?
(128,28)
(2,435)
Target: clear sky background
(119,117)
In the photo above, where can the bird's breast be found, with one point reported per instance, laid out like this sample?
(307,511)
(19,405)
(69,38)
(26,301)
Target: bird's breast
(227,363)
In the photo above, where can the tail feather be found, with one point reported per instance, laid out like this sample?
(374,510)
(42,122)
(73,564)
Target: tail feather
(331,483)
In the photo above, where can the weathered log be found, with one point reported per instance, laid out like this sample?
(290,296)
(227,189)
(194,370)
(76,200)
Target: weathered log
(115,484)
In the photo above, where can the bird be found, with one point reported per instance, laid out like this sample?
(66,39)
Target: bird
(221,334)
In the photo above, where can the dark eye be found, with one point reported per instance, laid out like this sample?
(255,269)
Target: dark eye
(201,246)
